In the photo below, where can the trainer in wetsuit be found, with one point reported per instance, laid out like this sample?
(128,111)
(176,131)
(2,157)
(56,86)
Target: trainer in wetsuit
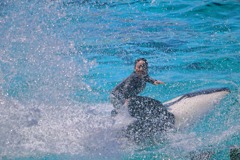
(132,85)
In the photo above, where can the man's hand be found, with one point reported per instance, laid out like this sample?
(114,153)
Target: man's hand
(158,82)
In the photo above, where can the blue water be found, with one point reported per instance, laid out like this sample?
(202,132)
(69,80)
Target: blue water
(60,59)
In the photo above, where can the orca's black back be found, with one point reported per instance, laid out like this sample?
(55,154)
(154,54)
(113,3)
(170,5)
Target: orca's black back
(144,107)
(152,117)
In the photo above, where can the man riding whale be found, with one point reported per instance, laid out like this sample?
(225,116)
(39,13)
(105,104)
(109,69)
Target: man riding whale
(150,115)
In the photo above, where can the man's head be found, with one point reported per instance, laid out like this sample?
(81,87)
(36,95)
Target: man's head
(141,66)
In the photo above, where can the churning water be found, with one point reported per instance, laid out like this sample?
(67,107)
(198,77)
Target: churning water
(59,59)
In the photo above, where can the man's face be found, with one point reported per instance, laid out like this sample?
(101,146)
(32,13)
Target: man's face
(141,68)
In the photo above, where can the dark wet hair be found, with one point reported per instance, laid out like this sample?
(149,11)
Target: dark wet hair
(140,59)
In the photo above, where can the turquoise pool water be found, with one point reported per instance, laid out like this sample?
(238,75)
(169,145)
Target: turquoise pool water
(60,59)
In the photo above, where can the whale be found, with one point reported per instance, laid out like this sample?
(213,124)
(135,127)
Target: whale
(147,116)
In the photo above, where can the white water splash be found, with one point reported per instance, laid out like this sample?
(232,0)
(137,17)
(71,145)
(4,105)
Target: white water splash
(28,130)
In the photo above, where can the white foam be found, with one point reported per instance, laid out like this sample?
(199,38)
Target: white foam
(123,118)
(41,129)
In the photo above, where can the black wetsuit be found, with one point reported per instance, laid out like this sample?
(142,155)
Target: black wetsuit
(129,88)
